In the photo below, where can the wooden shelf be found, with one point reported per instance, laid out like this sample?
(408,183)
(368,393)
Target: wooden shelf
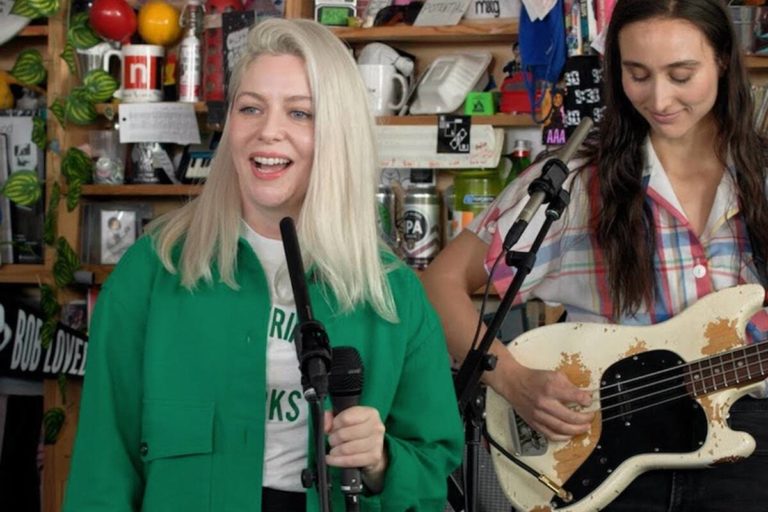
(141,190)
(500,120)
(34,31)
(476,31)
(110,109)
(23,274)
(100,272)
(756,61)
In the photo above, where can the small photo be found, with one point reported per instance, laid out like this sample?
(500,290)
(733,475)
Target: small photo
(118,233)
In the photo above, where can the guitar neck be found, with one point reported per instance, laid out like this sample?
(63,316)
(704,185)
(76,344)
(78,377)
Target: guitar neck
(735,368)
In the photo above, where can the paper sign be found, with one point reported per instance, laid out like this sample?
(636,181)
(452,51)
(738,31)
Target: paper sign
(441,12)
(415,146)
(158,122)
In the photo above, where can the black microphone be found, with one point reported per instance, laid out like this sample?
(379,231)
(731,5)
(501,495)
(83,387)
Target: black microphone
(312,346)
(346,384)
(545,188)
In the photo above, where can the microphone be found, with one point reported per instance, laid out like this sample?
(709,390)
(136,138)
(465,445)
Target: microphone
(346,384)
(545,188)
(310,338)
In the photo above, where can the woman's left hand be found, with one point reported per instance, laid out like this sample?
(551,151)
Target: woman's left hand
(356,436)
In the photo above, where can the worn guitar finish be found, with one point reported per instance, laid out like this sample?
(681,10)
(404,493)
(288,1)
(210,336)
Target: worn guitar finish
(662,395)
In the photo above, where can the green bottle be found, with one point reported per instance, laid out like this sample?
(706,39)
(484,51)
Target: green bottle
(521,159)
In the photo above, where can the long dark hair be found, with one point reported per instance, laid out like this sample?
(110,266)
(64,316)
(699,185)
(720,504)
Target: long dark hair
(623,228)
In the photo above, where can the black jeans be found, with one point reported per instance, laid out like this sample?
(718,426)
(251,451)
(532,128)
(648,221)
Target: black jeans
(738,487)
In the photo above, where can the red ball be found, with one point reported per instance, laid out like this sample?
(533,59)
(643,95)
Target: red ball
(113,19)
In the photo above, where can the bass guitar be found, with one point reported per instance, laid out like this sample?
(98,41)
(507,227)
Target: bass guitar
(661,396)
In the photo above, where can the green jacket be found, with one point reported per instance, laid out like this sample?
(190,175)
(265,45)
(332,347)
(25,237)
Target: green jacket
(173,406)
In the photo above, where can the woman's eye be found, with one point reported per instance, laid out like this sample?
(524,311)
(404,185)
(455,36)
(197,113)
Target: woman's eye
(248,109)
(638,78)
(680,79)
(301,114)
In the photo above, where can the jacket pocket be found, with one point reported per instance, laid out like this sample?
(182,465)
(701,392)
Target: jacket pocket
(177,449)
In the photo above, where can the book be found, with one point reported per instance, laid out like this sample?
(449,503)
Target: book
(21,154)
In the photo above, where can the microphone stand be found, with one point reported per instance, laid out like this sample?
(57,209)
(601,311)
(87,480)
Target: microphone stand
(547,188)
(314,354)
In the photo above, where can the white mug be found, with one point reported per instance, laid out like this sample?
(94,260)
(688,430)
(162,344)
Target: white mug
(380,82)
(141,72)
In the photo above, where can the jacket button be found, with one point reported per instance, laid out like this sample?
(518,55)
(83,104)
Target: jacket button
(143,449)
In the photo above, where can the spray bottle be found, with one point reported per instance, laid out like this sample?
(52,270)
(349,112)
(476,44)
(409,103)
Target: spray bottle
(190,55)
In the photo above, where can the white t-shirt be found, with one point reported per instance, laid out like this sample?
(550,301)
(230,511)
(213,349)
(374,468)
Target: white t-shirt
(286,432)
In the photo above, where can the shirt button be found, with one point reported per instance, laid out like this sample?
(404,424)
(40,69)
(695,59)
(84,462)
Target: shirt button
(699,271)
(143,449)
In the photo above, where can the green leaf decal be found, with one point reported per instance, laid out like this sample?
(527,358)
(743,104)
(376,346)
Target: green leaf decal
(23,187)
(47,330)
(80,33)
(26,9)
(67,262)
(57,107)
(38,132)
(46,7)
(69,56)
(74,190)
(99,85)
(29,68)
(79,108)
(76,166)
(48,303)
(53,421)
(62,382)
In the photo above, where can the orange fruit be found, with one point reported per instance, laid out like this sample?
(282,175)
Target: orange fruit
(159,23)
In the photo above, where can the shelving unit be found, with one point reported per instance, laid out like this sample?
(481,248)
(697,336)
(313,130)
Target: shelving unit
(140,190)
(465,32)
(425,43)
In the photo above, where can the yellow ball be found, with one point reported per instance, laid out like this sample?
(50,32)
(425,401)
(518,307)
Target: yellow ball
(159,23)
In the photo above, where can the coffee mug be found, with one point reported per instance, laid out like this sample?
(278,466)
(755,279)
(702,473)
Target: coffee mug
(141,72)
(380,81)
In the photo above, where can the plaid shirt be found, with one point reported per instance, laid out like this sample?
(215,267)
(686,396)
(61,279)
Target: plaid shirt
(569,269)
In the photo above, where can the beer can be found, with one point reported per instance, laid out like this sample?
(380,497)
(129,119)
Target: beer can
(421,223)
(385,215)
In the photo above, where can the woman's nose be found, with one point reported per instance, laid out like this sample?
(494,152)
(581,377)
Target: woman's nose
(273,128)
(662,95)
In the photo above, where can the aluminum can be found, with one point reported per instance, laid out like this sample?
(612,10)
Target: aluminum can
(421,225)
(385,215)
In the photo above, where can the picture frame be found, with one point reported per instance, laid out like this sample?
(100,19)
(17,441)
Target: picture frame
(117,234)
(109,230)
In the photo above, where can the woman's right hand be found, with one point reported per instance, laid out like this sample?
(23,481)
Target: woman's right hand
(546,400)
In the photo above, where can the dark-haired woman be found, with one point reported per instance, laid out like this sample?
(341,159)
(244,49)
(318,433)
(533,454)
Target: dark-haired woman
(668,205)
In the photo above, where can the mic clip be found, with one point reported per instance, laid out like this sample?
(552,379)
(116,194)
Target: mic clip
(551,180)
(314,351)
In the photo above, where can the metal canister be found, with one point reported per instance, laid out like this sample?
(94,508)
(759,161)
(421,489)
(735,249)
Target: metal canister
(421,219)
(385,215)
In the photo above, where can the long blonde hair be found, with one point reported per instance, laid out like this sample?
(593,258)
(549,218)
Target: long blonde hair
(337,223)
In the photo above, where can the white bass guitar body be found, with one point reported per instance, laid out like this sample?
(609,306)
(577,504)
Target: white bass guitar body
(661,395)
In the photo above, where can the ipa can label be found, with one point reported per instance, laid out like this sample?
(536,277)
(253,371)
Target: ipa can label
(421,233)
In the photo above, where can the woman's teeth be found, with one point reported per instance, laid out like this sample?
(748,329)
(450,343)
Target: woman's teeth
(270,162)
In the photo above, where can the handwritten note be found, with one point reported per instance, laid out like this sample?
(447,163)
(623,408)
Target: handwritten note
(441,12)
(158,122)
(416,146)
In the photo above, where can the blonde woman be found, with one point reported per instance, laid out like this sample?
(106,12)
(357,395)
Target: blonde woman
(192,400)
